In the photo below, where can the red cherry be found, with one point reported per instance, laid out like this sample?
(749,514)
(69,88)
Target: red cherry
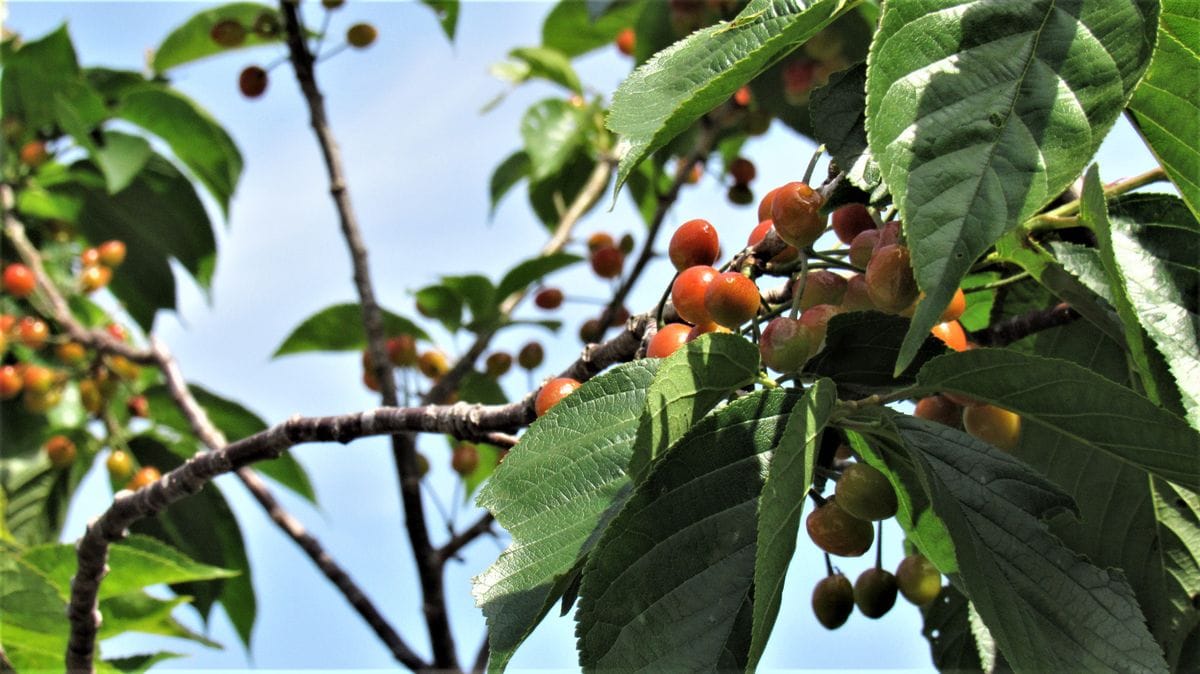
(851,220)
(796,211)
(764,206)
(667,340)
(32,332)
(741,97)
(19,280)
(688,291)
(742,171)
(607,261)
(694,243)
(600,240)
(890,280)
(253,82)
(552,392)
(61,451)
(952,334)
(731,299)
(11,382)
(626,41)
(785,344)
(822,287)
(402,350)
(863,247)
(857,298)
(548,298)
(759,233)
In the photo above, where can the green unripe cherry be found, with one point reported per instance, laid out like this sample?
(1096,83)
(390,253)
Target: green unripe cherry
(918,579)
(865,492)
(875,592)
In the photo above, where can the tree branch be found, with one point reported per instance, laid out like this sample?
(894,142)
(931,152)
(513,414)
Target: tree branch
(1012,329)
(463,538)
(404,453)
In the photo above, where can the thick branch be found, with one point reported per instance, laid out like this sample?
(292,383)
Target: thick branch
(1012,329)
(404,451)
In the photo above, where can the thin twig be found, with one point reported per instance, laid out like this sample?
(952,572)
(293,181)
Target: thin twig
(404,453)
(460,540)
(481,657)
(1012,329)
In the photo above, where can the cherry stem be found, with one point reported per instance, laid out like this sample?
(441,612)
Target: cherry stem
(799,280)
(662,302)
(828,565)
(998,284)
(812,164)
(879,546)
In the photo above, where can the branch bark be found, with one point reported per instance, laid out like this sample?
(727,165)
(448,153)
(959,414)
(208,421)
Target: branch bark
(1018,327)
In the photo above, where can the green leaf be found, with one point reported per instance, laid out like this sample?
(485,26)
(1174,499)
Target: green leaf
(550,197)
(948,629)
(134,664)
(1048,608)
(192,40)
(159,217)
(480,296)
(553,130)
(506,175)
(532,270)
(442,304)
(1074,402)
(570,29)
(447,15)
(547,64)
(37,494)
(689,383)
(135,563)
(860,353)
(193,135)
(1166,105)
(140,612)
(670,576)
(783,496)
(235,422)
(203,528)
(980,114)
(339,328)
(35,629)
(32,77)
(839,119)
(664,96)
(1084,263)
(922,527)
(565,481)
(979,303)
(121,158)
(1147,528)
(1151,247)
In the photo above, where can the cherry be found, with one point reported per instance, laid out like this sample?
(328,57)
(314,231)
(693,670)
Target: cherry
(138,407)
(760,231)
(552,392)
(607,261)
(253,82)
(626,41)
(694,174)
(70,353)
(228,33)
(11,382)
(619,317)
(688,292)
(918,579)
(863,246)
(591,332)
(94,278)
(994,425)
(890,281)
(90,257)
(833,601)
(145,477)
(61,451)
(951,333)
(361,35)
(785,344)
(530,356)
(694,243)
(822,287)
(796,212)
(768,201)
(816,320)
(33,154)
(111,253)
(433,364)
(704,329)
(851,220)
(32,332)
(600,240)
(742,96)
(119,465)
(266,25)
(422,465)
(667,340)
(875,592)
(90,396)
(19,280)
(124,368)
(958,305)
(625,245)
(498,364)
(548,298)
(742,171)
(798,79)
(464,459)
(41,402)
(117,332)
(838,532)
(890,233)
(402,350)
(740,195)
(940,409)
(857,298)
(863,491)
(731,299)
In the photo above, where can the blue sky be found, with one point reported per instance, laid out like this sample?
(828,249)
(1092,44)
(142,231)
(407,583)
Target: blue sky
(419,155)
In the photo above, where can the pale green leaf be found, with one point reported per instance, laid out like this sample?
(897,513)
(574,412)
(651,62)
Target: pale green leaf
(339,328)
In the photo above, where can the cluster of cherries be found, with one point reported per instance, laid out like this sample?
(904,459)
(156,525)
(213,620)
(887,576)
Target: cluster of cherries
(253,80)
(41,365)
